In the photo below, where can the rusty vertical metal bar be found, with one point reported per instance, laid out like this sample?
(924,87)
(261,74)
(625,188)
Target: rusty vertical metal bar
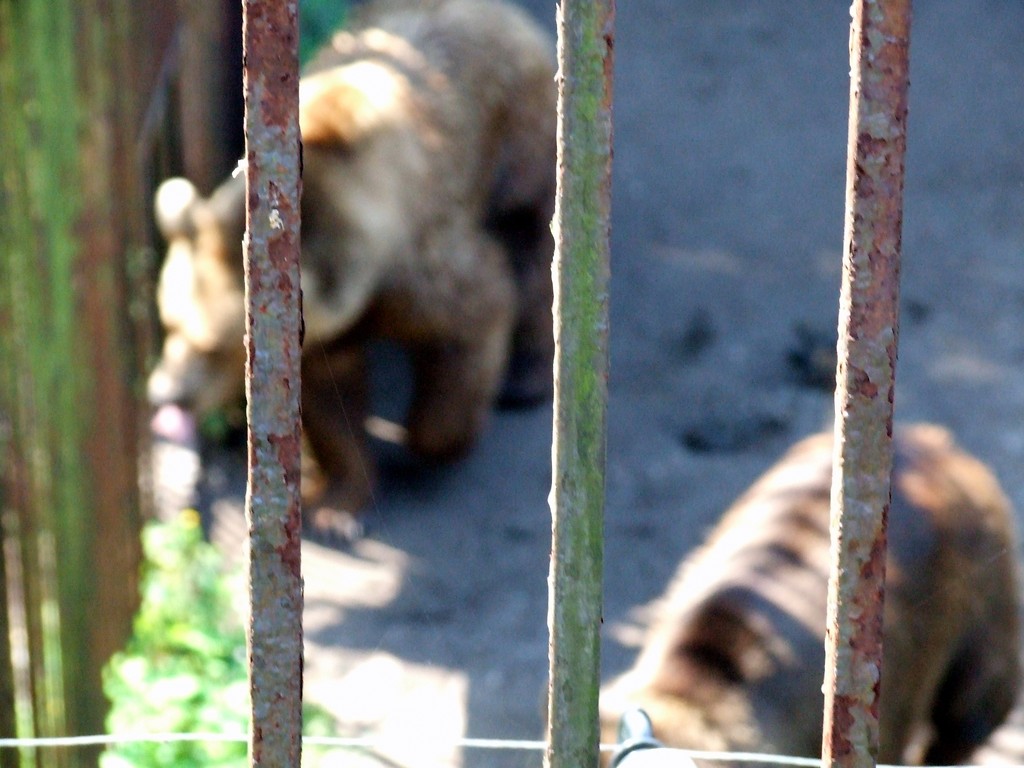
(273,330)
(581,274)
(868,332)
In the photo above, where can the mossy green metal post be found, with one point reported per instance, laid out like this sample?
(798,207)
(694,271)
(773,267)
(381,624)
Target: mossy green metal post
(581,274)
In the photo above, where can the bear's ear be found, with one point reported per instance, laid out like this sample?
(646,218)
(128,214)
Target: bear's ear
(341,106)
(174,204)
(225,207)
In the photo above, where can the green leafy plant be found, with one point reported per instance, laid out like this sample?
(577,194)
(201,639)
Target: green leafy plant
(184,669)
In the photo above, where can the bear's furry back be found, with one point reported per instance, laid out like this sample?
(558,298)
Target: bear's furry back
(476,74)
(424,119)
(734,657)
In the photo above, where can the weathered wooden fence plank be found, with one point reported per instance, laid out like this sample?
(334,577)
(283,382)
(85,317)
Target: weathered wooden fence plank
(72,218)
(9,758)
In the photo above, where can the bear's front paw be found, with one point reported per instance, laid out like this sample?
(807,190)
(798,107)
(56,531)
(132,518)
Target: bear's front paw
(333,526)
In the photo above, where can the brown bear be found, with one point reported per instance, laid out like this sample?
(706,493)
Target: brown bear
(734,659)
(428,189)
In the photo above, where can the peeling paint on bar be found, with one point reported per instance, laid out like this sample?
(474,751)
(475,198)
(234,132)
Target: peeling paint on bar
(273,326)
(868,334)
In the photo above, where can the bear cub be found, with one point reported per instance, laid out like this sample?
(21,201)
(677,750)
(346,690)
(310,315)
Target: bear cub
(734,659)
(428,189)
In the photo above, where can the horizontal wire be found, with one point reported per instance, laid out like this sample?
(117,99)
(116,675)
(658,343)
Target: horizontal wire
(127,738)
(371,742)
(321,741)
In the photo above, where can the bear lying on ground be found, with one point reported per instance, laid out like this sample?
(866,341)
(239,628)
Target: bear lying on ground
(428,190)
(734,659)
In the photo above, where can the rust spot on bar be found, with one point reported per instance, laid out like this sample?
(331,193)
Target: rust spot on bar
(288,450)
(844,722)
(290,553)
(861,383)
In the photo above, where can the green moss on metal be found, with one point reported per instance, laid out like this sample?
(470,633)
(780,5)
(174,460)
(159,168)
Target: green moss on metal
(581,228)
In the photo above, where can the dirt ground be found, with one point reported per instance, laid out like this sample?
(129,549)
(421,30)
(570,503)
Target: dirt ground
(730,147)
